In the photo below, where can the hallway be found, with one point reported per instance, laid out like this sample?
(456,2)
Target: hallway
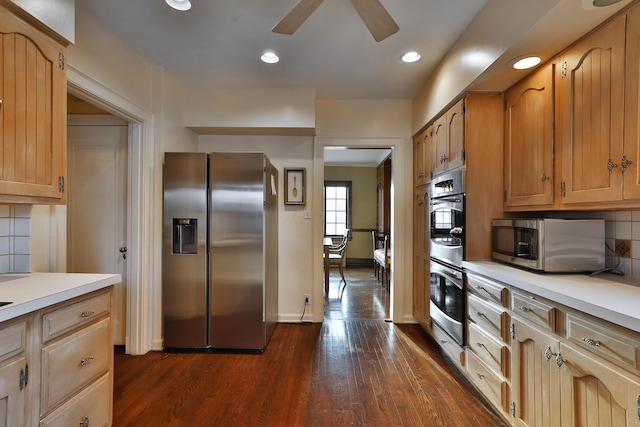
(353,369)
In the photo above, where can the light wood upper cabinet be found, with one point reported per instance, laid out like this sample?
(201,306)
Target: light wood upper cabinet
(631,153)
(448,139)
(591,105)
(418,159)
(528,141)
(32,114)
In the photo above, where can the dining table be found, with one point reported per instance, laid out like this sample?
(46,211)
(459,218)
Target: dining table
(326,242)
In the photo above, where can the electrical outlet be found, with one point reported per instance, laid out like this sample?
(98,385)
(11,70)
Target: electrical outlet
(307,298)
(623,248)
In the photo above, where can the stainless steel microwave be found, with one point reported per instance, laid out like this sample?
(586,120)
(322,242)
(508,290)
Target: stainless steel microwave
(550,245)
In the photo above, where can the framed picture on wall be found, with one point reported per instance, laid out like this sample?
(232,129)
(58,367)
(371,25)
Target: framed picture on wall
(294,182)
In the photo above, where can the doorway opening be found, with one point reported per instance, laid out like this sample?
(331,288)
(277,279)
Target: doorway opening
(366,212)
(97,147)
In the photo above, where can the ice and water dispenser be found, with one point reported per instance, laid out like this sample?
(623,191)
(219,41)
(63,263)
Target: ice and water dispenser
(185,236)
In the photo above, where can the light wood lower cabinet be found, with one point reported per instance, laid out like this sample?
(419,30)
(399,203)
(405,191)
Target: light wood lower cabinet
(540,363)
(56,365)
(595,394)
(535,377)
(12,393)
(558,384)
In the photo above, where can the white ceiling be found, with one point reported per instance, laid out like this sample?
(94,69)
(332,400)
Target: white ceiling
(358,157)
(217,44)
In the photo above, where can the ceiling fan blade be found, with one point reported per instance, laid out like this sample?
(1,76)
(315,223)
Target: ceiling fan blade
(296,17)
(380,24)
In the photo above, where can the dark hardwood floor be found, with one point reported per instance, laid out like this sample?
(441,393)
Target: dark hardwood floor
(353,369)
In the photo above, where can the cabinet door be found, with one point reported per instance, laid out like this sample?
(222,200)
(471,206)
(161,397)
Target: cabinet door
(420,258)
(528,141)
(455,135)
(440,145)
(33,114)
(428,154)
(535,377)
(419,173)
(594,394)
(632,108)
(12,407)
(591,88)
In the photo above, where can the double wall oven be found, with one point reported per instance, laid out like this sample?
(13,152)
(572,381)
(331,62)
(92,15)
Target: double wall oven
(447,236)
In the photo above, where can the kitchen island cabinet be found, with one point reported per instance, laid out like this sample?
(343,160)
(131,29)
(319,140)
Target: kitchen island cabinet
(33,114)
(56,349)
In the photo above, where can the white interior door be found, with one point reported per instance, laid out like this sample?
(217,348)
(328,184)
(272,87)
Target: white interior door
(97,204)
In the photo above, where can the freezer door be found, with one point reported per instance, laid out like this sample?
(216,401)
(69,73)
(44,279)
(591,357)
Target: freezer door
(184,251)
(236,246)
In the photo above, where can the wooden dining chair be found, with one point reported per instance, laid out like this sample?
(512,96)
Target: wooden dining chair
(336,257)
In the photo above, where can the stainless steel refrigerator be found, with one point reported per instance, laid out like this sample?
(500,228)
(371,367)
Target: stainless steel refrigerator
(220,250)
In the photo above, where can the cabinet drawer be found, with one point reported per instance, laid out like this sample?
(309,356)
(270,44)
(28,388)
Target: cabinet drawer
(92,406)
(72,316)
(493,386)
(71,363)
(448,345)
(487,289)
(488,316)
(534,310)
(13,340)
(606,341)
(493,353)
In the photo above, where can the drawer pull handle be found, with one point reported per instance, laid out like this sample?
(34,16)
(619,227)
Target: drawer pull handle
(479,313)
(479,344)
(87,313)
(479,375)
(86,361)
(84,422)
(591,342)
(443,341)
(525,309)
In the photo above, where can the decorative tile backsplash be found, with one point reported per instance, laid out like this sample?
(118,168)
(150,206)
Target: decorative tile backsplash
(15,238)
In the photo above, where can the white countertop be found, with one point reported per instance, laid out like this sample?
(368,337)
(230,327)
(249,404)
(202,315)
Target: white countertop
(32,291)
(607,296)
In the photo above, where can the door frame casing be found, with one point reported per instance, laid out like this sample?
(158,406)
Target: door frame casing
(141,220)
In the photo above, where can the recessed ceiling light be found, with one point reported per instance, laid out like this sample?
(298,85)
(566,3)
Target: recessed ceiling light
(603,3)
(269,57)
(179,4)
(526,62)
(595,4)
(412,56)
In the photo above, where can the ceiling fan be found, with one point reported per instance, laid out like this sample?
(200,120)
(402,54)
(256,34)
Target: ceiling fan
(380,24)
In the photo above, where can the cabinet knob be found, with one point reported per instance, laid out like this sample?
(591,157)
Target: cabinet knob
(84,422)
(544,177)
(86,361)
(591,342)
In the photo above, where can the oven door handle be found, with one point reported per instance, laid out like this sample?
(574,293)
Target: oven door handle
(447,273)
(440,201)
